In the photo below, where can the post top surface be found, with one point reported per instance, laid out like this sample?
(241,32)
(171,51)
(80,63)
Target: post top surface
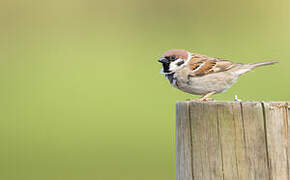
(275,103)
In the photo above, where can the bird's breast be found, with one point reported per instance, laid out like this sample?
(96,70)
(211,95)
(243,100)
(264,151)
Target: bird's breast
(200,85)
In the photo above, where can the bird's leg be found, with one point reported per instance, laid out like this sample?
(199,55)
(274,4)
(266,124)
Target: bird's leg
(206,97)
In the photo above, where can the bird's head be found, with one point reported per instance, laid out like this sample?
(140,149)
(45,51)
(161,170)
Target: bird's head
(173,59)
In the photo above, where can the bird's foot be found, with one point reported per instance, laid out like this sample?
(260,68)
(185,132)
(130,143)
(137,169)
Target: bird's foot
(201,100)
(206,99)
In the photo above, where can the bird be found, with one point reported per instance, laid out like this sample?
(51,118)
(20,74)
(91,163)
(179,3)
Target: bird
(199,74)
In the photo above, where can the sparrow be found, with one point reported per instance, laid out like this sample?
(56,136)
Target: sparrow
(202,75)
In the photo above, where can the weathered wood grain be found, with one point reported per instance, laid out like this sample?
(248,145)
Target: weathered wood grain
(206,160)
(288,142)
(276,122)
(232,140)
(183,143)
(255,140)
(227,133)
(242,160)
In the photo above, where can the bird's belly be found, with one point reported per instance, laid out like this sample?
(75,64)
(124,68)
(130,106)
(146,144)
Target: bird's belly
(218,82)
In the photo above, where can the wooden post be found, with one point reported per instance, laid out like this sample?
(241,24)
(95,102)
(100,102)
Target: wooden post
(232,141)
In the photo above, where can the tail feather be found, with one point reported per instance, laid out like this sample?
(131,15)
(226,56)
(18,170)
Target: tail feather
(248,67)
(254,65)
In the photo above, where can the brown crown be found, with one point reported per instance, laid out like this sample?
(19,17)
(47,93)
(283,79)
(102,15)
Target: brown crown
(179,53)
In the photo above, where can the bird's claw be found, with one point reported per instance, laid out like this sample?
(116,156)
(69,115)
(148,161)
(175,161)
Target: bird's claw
(201,100)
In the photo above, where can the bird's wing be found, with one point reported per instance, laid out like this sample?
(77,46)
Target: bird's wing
(201,65)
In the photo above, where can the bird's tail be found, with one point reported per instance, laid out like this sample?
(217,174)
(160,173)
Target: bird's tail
(254,65)
(248,67)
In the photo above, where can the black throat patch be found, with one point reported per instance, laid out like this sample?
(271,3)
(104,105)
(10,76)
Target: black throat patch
(170,77)
(166,67)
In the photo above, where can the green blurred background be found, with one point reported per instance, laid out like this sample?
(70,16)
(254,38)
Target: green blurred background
(81,95)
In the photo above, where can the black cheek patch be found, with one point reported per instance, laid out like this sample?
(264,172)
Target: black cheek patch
(165,67)
(180,63)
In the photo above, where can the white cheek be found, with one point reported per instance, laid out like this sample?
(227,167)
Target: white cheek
(173,66)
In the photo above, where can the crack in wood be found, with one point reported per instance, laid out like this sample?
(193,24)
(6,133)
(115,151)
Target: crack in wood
(266,139)
(190,135)
(286,118)
(236,157)
(219,140)
(244,131)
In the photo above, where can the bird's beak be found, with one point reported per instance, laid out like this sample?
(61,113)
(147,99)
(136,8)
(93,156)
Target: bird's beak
(163,60)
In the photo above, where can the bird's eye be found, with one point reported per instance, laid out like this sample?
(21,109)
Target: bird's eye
(172,58)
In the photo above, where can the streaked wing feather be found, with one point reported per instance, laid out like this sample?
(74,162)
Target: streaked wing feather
(201,65)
